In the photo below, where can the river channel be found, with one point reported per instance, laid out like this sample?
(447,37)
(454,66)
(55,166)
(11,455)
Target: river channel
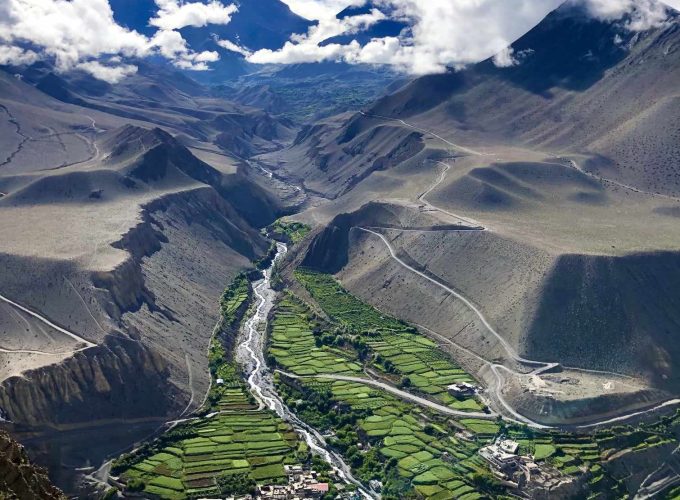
(250,354)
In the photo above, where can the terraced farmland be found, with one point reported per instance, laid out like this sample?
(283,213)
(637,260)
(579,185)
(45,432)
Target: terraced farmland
(255,444)
(416,450)
(234,299)
(575,455)
(399,347)
(228,453)
(293,345)
(230,393)
(202,457)
(406,433)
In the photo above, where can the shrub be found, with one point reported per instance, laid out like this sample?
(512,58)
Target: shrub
(135,484)
(236,484)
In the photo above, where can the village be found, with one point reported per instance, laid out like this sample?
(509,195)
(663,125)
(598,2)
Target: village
(521,473)
(302,484)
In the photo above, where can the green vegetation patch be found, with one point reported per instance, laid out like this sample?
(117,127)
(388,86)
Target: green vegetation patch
(235,299)
(240,445)
(396,347)
(295,348)
(543,451)
(292,232)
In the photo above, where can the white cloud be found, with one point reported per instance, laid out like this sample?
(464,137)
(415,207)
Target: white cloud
(111,74)
(16,55)
(229,45)
(644,14)
(69,31)
(171,45)
(444,33)
(80,34)
(505,58)
(320,9)
(173,15)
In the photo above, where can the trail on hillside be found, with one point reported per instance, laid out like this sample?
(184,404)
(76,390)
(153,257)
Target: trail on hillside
(76,337)
(540,366)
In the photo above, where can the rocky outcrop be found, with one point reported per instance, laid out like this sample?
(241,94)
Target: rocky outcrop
(19,479)
(328,250)
(119,379)
(126,283)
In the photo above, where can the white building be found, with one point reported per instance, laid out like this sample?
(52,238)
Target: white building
(462,389)
(508,446)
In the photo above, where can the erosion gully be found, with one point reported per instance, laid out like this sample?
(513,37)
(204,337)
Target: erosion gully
(250,354)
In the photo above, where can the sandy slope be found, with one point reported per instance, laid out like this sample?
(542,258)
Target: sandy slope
(125,239)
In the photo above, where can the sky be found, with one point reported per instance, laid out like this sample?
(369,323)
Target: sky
(444,33)
(82,34)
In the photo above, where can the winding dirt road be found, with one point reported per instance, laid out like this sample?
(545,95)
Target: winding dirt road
(442,176)
(628,187)
(405,395)
(540,366)
(425,131)
(77,338)
(571,162)
(506,346)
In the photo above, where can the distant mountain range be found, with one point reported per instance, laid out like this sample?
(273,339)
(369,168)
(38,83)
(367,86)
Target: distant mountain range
(258,24)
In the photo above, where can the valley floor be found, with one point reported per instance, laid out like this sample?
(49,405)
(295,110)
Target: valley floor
(380,394)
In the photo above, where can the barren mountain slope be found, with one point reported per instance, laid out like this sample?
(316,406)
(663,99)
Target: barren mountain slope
(112,277)
(169,99)
(580,86)
(570,267)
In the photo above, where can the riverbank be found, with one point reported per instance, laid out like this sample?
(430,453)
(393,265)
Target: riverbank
(244,436)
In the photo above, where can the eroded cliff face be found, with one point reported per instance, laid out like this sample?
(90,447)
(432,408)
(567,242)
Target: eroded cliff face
(19,479)
(120,379)
(164,302)
(158,310)
(204,207)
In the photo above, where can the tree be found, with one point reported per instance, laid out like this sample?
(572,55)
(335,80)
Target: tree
(486,481)
(236,484)
(135,484)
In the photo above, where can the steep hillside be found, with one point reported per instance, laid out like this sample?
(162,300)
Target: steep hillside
(562,165)
(331,159)
(576,87)
(579,86)
(123,241)
(167,98)
(19,479)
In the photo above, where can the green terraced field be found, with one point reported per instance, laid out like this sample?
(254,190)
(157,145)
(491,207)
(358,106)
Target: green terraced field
(428,369)
(257,444)
(293,345)
(234,299)
(197,458)
(430,458)
(231,394)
